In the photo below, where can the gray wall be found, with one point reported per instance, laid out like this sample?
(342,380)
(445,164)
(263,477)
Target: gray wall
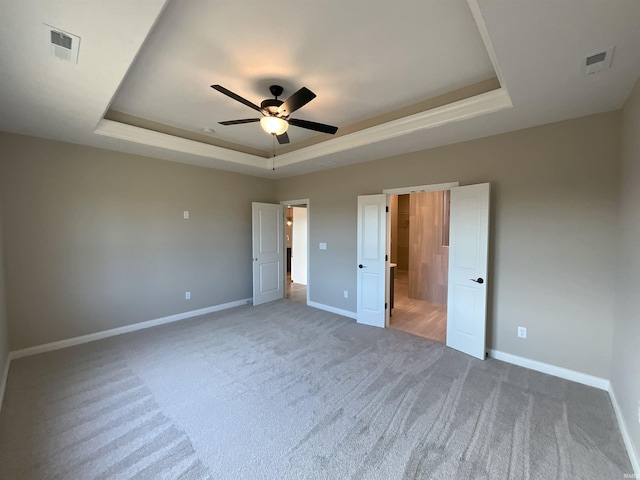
(95,239)
(625,371)
(4,329)
(553,221)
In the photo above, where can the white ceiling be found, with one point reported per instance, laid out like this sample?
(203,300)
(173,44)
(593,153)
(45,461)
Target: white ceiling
(361,58)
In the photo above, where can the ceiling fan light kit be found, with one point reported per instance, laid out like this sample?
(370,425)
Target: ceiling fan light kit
(274,125)
(275,113)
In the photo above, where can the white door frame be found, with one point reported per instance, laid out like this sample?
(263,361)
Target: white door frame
(436,187)
(294,203)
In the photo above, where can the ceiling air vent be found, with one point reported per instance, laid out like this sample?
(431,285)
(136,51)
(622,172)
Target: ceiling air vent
(597,62)
(62,45)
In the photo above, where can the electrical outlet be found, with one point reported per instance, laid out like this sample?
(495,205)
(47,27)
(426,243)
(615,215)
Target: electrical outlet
(187,295)
(185,214)
(346,294)
(522,332)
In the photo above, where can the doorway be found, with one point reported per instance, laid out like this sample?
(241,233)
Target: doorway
(296,250)
(419,256)
(468,262)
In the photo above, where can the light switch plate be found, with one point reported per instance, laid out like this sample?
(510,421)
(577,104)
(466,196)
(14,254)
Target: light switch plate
(323,246)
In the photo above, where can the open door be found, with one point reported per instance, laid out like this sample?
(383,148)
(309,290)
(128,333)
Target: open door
(468,252)
(371,258)
(267,247)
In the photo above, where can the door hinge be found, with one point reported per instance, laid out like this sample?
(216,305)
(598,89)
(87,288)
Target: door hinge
(387,209)
(386,258)
(385,306)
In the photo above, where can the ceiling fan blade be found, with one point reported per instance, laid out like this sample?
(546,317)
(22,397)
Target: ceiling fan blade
(236,97)
(283,139)
(295,101)
(318,127)
(238,122)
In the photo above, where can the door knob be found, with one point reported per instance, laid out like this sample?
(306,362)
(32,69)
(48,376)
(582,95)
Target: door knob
(361,266)
(479,280)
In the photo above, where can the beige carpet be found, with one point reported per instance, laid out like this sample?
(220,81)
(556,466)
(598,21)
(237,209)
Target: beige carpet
(285,391)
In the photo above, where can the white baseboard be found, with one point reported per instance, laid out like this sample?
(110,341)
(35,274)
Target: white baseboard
(327,308)
(3,380)
(48,347)
(590,380)
(631,449)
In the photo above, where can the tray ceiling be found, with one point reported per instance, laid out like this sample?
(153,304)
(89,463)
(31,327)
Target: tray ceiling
(395,76)
(362,59)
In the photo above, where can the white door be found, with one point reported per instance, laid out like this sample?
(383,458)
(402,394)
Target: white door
(468,251)
(299,246)
(267,234)
(371,267)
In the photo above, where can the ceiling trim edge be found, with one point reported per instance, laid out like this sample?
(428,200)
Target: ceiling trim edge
(476,11)
(123,131)
(470,107)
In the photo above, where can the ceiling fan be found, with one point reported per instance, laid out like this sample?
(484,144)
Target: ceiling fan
(275,113)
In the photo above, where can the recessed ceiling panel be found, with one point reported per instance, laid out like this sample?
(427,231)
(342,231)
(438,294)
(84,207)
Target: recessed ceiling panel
(361,58)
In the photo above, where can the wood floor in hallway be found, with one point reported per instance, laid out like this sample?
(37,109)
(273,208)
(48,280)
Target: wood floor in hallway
(296,292)
(417,317)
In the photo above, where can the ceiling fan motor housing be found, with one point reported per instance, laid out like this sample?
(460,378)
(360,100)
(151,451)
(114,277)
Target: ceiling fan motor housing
(271,105)
(276,90)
